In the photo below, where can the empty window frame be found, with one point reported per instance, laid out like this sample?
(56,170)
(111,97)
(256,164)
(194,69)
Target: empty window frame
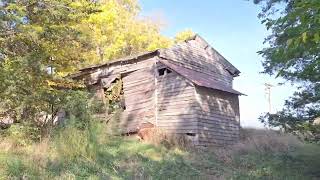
(163,71)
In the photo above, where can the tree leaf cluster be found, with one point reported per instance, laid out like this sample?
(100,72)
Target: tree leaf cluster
(293,53)
(42,41)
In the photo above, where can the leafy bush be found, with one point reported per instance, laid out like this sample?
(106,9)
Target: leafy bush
(98,107)
(22,134)
(77,106)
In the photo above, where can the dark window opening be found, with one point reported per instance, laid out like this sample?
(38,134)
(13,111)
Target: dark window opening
(191,134)
(163,71)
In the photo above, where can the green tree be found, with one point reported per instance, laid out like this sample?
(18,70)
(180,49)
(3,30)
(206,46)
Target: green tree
(117,31)
(37,38)
(293,53)
(41,41)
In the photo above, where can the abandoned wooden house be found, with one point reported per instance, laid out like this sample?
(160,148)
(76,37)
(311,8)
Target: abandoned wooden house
(185,89)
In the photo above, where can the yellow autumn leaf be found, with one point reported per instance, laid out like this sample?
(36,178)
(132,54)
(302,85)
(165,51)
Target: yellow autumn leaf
(304,37)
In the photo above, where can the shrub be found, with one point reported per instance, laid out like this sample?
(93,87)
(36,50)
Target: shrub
(22,134)
(77,106)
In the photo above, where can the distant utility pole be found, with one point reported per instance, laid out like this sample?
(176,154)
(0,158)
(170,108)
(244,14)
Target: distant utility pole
(268,94)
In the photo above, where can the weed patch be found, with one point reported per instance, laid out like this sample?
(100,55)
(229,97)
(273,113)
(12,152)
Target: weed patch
(92,153)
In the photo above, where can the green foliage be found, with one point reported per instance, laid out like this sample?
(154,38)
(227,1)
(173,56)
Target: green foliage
(293,54)
(117,31)
(77,106)
(71,143)
(92,153)
(98,107)
(22,134)
(113,126)
(43,41)
(36,36)
(15,168)
(292,165)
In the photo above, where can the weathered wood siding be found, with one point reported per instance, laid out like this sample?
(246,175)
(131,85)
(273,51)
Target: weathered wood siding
(199,42)
(119,68)
(218,117)
(193,56)
(139,94)
(175,104)
(138,86)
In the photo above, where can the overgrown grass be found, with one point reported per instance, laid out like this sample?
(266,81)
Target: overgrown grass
(267,154)
(93,154)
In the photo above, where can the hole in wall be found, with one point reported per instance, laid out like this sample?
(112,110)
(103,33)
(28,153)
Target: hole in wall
(161,71)
(164,71)
(191,134)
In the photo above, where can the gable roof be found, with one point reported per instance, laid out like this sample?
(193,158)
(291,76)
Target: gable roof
(196,37)
(199,78)
(183,50)
(228,66)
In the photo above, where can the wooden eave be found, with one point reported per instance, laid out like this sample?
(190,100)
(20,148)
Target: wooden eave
(121,60)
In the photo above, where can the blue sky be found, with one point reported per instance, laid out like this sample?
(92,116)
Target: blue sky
(232,28)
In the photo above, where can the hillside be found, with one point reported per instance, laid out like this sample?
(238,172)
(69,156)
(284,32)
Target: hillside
(92,154)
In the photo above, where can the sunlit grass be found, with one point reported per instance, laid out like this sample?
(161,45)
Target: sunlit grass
(92,154)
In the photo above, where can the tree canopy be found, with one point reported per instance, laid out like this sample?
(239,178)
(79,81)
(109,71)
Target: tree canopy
(293,53)
(42,41)
(117,30)
(38,38)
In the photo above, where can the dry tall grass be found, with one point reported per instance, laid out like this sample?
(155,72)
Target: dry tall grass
(158,136)
(259,141)
(77,154)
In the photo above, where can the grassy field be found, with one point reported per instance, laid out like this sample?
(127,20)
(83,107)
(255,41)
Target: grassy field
(93,154)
